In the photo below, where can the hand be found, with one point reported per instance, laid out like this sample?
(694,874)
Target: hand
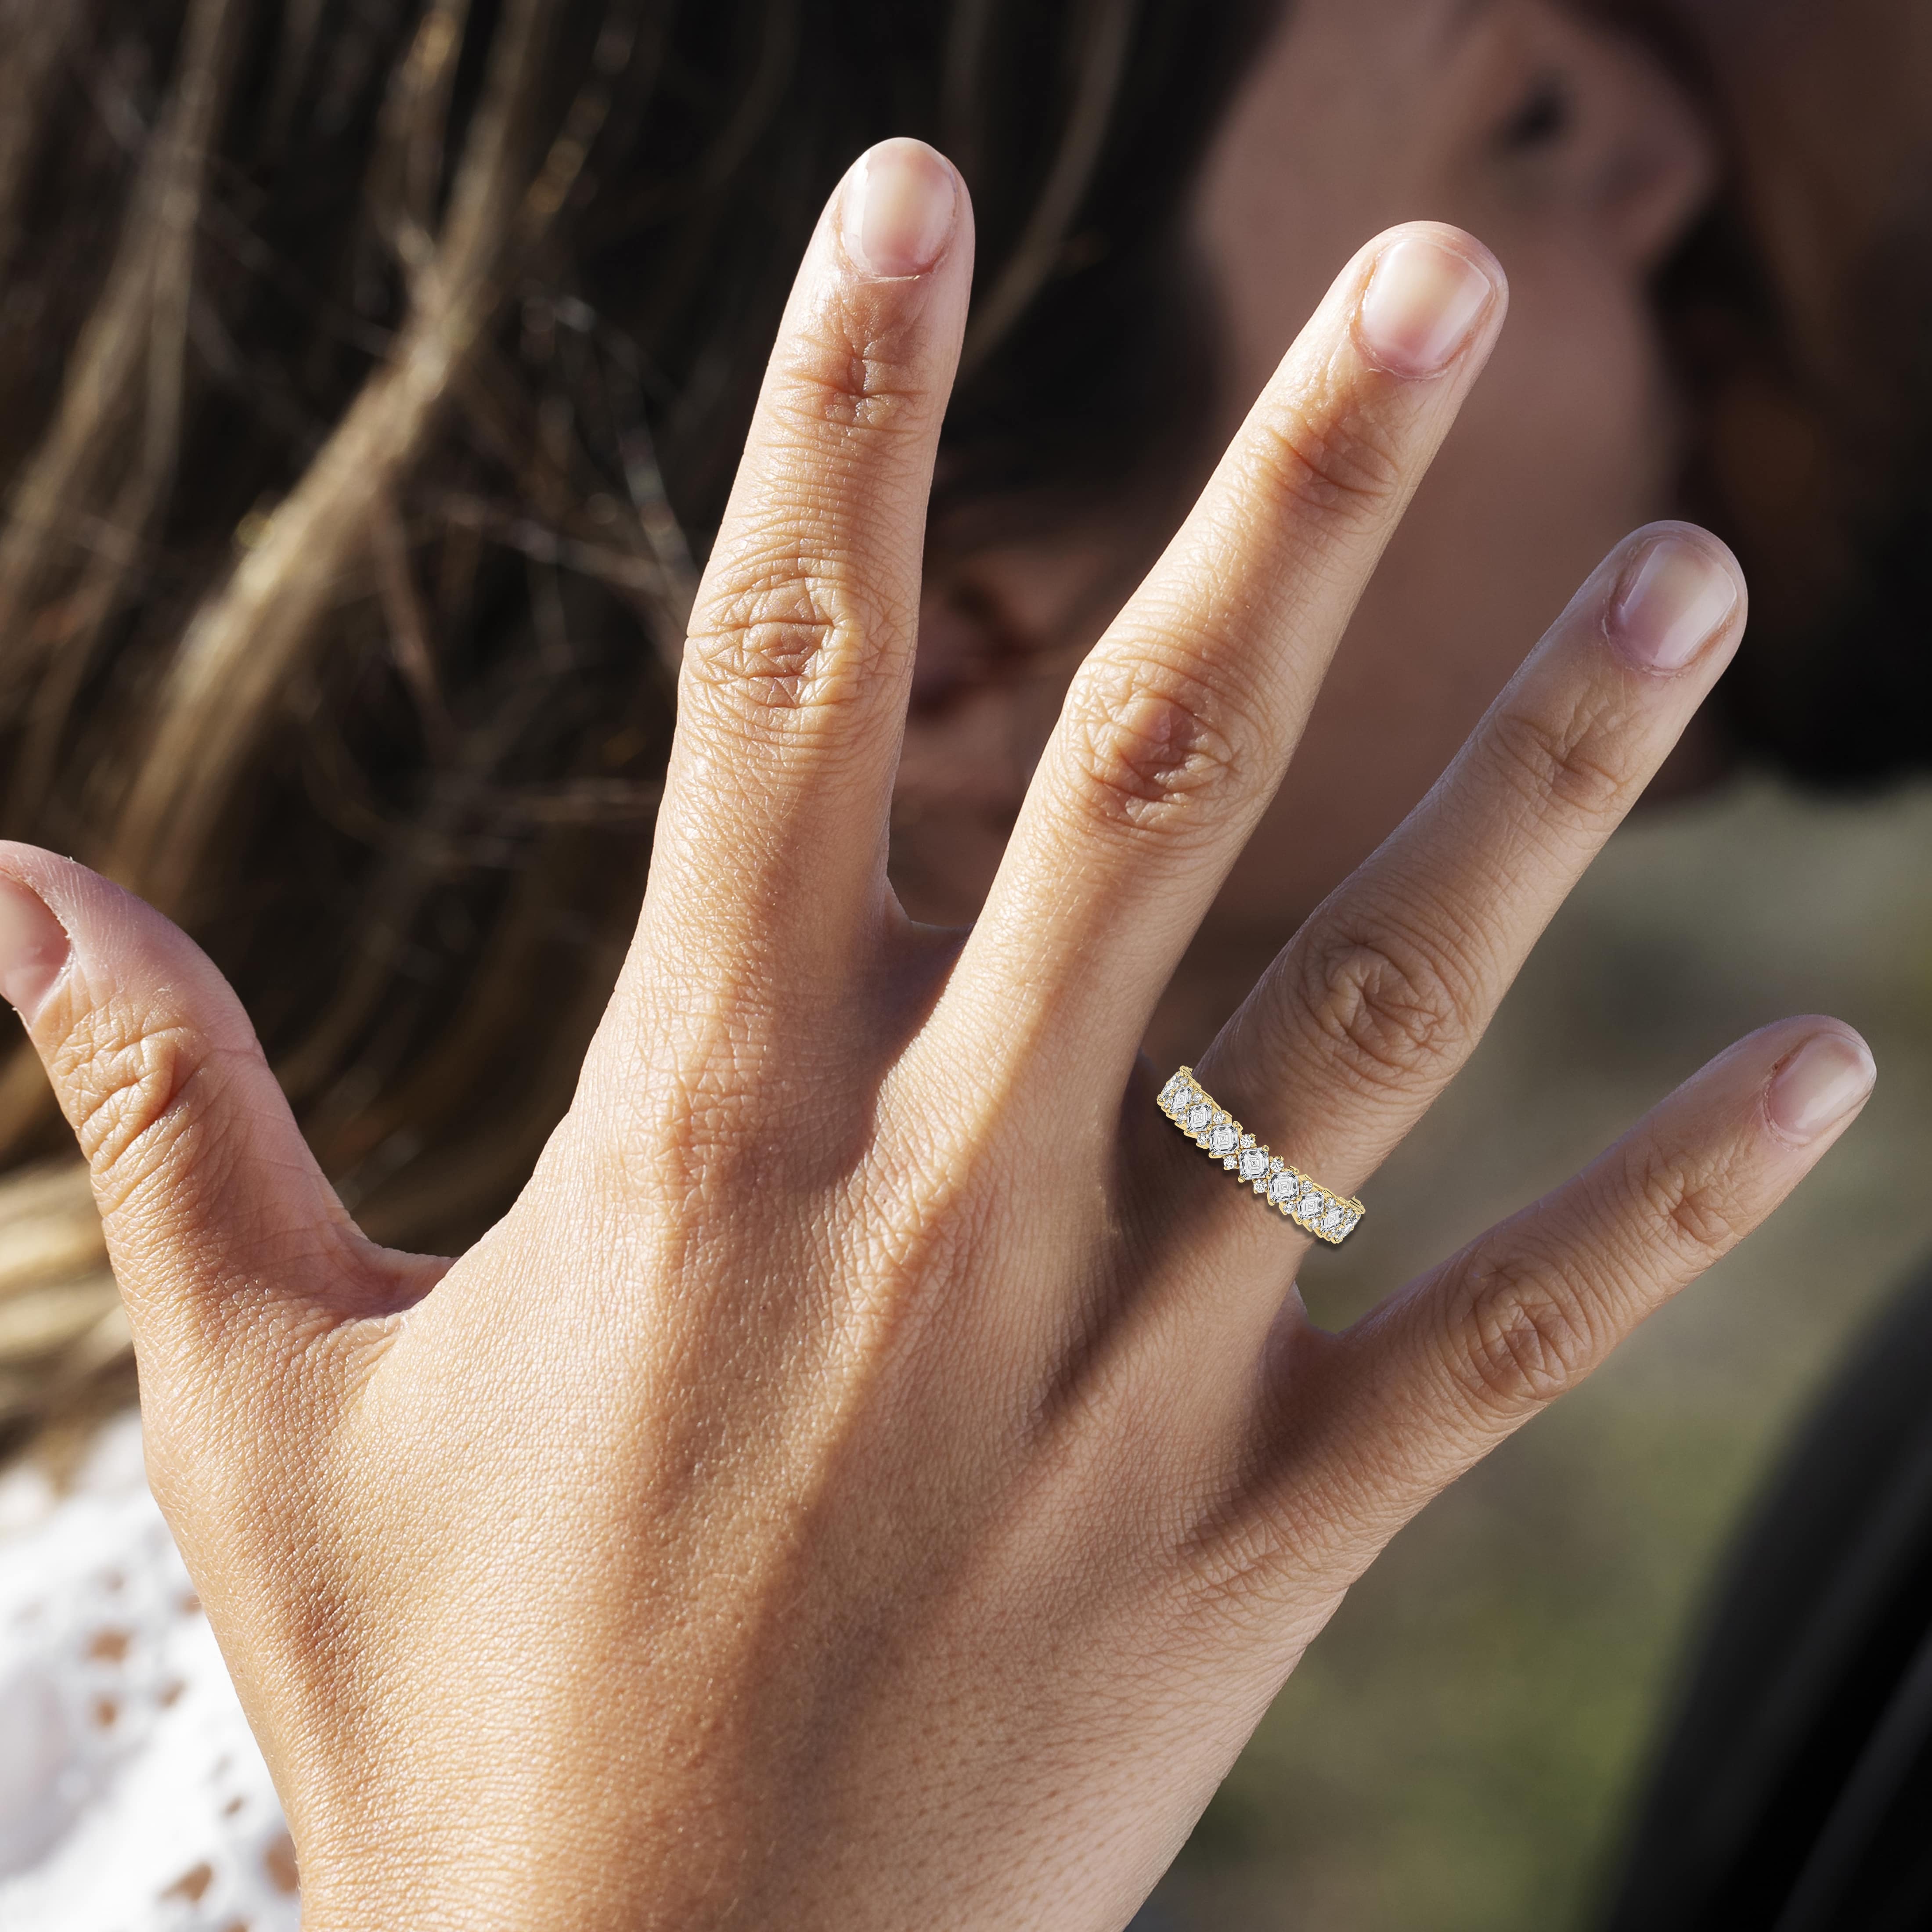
(879,1472)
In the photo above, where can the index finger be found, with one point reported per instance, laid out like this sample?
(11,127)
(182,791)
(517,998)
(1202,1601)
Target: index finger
(772,834)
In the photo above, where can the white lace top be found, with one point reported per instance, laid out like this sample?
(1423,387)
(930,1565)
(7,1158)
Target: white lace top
(132,1798)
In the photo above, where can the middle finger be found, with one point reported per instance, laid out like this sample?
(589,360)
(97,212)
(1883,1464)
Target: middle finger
(1178,726)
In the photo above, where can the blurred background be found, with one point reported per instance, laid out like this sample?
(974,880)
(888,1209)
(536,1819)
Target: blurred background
(1458,1748)
(414,779)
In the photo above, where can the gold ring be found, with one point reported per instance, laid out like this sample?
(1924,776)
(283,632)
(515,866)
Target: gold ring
(1209,1126)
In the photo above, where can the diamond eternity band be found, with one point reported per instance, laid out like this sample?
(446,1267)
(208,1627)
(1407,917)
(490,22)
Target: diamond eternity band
(1209,1125)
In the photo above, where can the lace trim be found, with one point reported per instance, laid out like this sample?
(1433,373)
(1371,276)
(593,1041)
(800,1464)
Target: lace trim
(132,1798)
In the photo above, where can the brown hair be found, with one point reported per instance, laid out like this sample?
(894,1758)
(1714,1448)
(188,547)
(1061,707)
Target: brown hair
(371,375)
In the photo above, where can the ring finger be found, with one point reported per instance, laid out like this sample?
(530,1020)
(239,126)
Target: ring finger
(1381,998)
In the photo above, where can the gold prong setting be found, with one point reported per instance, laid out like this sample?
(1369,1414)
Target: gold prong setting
(1327,1216)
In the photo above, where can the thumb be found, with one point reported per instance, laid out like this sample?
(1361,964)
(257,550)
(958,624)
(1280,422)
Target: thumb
(215,1212)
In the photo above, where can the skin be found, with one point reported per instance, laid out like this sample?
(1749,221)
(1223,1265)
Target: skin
(1576,158)
(879,1472)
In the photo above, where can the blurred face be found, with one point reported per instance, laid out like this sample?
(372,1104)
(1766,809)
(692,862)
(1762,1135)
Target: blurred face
(1829,111)
(1571,153)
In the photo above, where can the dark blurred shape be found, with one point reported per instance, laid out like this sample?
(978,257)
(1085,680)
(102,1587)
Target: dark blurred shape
(1795,1789)
(1803,316)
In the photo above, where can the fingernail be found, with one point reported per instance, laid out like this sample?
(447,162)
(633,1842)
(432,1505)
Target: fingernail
(33,947)
(1825,1080)
(897,214)
(1421,305)
(1674,599)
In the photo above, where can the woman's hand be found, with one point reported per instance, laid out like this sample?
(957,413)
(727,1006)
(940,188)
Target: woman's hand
(880,1472)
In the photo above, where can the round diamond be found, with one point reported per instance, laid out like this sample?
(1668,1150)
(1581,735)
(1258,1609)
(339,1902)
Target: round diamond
(1222,1139)
(1283,1187)
(1199,1115)
(1254,1164)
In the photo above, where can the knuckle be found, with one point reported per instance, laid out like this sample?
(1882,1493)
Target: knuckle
(1386,1013)
(132,1089)
(711,1089)
(1336,463)
(1525,1334)
(785,635)
(679,1151)
(1577,762)
(1685,1206)
(841,376)
(792,619)
(1153,750)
